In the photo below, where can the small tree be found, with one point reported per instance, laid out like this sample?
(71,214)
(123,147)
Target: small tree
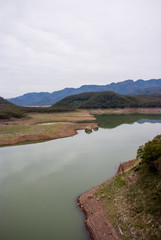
(151,151)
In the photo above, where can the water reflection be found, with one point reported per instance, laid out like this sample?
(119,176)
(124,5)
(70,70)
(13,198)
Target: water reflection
(89,130)
(115,120)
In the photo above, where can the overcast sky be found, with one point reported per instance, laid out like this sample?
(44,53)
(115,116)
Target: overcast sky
(47,45)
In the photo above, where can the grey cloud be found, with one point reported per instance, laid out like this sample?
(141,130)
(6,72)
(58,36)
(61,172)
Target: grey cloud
(46,45)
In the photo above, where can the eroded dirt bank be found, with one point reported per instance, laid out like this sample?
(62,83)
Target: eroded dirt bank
(96,220)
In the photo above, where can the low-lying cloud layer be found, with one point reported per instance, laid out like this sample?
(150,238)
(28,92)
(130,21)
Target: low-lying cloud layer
(46,45)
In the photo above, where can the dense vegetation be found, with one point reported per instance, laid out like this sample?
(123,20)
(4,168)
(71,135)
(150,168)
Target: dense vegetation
(150,153)
(149,100)
(89,100)
(104,100)
(9,110)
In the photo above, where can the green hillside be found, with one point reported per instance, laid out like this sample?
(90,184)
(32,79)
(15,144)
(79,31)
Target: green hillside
(9,110)
(108,100)
(5,102)
(89,100)
(132,199)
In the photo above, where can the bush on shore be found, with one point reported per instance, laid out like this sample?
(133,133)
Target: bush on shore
(150,153)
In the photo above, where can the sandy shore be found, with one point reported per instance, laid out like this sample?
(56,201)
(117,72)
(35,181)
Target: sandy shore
(96,221)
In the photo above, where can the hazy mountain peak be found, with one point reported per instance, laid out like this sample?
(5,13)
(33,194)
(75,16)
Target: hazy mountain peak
(127,87)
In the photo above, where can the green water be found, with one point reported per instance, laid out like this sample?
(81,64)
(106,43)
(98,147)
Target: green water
(39,183)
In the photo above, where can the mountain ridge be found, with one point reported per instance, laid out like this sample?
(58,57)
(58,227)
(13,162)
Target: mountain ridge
(127,87)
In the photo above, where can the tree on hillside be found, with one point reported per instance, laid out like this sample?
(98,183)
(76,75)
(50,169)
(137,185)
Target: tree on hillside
(150,153)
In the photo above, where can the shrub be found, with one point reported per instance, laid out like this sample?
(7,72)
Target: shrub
(150,153)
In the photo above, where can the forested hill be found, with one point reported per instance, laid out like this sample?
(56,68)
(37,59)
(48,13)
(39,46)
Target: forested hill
(90,100)
(108,100)
(9,110)
(5,102)
(128,87)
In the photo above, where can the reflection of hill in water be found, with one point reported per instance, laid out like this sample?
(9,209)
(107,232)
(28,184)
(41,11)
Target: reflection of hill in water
(115,120)
(148,120)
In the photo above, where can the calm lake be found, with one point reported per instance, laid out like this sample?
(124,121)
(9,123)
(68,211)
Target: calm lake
(39,183)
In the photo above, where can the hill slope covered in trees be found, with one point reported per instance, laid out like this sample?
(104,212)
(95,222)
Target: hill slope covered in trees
(108,100)
(9,110)
(90,100)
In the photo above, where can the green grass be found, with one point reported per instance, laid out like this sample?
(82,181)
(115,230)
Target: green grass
(54,117)
(12,131)
(86,121)
(28,127)
(132,202)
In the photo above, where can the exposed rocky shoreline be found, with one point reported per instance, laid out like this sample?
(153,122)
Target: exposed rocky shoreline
(96,220)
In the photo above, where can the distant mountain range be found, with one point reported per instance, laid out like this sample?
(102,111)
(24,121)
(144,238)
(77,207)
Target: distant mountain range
(128,87)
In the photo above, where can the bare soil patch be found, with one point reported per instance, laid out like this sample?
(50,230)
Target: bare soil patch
(96,221)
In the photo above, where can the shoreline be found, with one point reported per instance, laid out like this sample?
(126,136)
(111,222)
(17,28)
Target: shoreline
(26,130)
(96,221)
(24,133)
(66,130)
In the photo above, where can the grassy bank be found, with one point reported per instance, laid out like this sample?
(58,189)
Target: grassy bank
(28,129)
(13,131)
(132,203)
(9,132)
